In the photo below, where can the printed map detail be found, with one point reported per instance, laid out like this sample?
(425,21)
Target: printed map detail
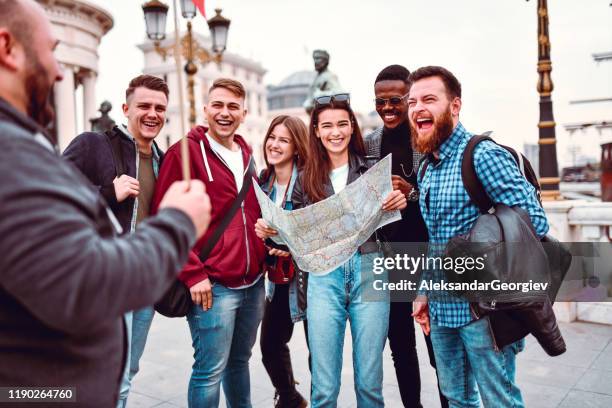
(323,236)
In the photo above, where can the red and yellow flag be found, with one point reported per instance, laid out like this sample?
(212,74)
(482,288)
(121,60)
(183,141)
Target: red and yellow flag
(200,5)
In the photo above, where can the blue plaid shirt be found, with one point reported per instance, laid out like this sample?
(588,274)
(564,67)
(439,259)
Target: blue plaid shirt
(448,211)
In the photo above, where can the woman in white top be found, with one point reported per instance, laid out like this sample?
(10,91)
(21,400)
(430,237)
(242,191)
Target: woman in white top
(336,159)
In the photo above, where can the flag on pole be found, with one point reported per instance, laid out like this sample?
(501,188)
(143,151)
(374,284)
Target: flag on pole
(200,5)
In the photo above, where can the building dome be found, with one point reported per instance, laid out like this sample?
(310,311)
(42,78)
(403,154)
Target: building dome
(291,92)
(299,78)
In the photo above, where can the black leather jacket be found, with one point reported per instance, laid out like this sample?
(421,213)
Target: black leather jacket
(508,326)
(514,315)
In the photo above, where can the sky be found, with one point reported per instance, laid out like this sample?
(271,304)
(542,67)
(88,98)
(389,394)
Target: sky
(490,45)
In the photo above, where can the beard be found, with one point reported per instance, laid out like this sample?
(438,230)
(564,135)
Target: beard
(442,129)
(38,91)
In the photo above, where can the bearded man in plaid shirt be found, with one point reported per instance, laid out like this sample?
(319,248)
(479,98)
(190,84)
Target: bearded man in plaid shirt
(470,366)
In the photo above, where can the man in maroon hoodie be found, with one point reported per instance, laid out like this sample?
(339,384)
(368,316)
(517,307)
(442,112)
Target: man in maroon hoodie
(227,287)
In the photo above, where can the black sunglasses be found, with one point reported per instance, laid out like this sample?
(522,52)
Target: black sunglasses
(393,101)
(342,98)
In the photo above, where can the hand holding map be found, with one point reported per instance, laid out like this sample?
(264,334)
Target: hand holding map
(324,235)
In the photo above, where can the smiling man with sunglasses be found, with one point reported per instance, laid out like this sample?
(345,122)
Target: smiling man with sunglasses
(391,91)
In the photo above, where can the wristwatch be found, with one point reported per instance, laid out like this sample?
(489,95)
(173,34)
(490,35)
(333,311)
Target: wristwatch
(413,195)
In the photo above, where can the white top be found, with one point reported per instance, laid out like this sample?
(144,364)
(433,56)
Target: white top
(339,177)
(280,194)
(231,158)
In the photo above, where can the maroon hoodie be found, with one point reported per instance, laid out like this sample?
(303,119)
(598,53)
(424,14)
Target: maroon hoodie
(236,260)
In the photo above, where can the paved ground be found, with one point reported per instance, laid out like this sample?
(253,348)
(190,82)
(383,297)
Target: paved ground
(582,377)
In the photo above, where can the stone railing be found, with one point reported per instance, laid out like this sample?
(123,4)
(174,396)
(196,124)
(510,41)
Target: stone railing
(581,221)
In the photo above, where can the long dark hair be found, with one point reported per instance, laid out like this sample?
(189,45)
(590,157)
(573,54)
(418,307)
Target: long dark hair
(317,168)
(299,134)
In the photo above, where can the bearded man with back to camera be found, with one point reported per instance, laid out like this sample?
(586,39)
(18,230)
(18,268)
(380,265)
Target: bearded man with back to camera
(63,281)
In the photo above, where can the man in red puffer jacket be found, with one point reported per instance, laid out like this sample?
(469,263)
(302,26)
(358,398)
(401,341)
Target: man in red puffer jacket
(227,288)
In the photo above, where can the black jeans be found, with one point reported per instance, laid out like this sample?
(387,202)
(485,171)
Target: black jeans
(402,342)
(276,331)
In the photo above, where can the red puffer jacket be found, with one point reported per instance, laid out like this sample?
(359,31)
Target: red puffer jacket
(237,259)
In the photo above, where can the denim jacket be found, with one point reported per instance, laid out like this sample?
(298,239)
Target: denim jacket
(297,309)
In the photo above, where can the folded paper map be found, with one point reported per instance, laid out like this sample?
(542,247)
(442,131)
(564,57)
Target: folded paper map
(323,236)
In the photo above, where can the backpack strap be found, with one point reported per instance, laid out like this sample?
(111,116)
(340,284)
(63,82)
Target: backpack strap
(423,164)
(247,182)
(532,177)
(471,183)
(115,143)
(526,170)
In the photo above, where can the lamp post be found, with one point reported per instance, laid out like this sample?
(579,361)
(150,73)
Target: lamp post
(549,170)
(156,12)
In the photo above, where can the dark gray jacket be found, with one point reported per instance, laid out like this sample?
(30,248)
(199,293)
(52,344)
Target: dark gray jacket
(92,154)
(63,280)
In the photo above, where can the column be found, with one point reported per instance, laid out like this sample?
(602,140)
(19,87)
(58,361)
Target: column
(549,170)
(65,108)
(89,98)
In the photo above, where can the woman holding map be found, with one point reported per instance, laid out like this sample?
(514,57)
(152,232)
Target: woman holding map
(336,160)
(285,152)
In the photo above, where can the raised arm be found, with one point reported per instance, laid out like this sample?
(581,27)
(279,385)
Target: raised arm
(58,256)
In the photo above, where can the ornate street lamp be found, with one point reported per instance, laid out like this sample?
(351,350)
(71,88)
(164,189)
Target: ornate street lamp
(218,26)
(549,171)
(188,9)
(155,17)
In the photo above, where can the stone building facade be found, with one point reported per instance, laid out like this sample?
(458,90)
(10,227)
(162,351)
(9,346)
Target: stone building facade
(79,26)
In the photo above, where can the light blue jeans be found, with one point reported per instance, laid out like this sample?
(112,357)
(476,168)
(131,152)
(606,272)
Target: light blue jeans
(222,339)
(137,324)
(467,363)
(347,293)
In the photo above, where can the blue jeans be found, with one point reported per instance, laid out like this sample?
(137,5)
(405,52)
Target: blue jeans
(222,339)
(467,363)
(346,293)
(137,324)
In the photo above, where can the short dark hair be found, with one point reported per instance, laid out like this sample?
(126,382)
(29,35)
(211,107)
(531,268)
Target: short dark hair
(393,73)
(231,85)
(14,17)
(147,81)
(451,83)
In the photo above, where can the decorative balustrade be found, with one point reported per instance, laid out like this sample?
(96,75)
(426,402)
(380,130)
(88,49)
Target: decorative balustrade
(582,221)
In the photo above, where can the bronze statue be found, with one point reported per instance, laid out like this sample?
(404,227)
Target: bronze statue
(325,83)
(104,122)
